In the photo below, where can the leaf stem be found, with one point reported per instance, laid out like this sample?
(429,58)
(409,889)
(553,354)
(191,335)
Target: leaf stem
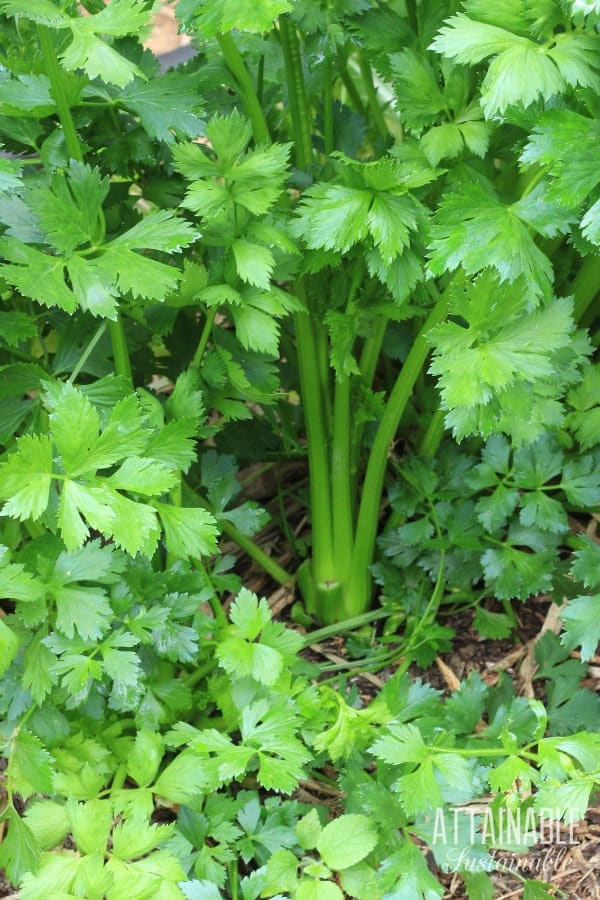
(266,562)
(87,352)
(359,590)
(372,97)
(206,330)
(341,480)
(585,286)
(297,98)
(250,101)
(318,463)
(60,98)
(328,134)
(329,631)
(433,435)
(120,349)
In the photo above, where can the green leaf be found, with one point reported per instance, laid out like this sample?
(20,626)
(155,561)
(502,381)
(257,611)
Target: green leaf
(48,822)
(586,562)
(25,478)
(308,830)
(94,293)
(318,890)
(581,482)
(491,624)
(333,217)
(90,824)
(584,421)
(408,877)
(67,210)
(165,105)
(158,230)
(563,142)
(16,327)
(36,274)
(86,610)
(95,56)
(134,838)
(282,869)
(360,881)
(491,370)
(183,780)
(9,646)
(75,427)
(122,665)
(143,276)
(16,583)
(30,766)
(347,840)
(538,890)
(249,615)
(402,744)
(174,444)
(143,476)
(476,230)
(188,532)
(254,263)
(213,16)
(522,71)
(582,624)
(145,758)
(19,850)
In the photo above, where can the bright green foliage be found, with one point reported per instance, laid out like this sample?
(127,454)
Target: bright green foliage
(87,50)
(31,479)
(506,362)
(522,70)
(474,229)
(276,275)
(68,213)
(221,16)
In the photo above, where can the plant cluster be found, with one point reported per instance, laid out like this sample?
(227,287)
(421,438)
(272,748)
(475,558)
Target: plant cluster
(363,234)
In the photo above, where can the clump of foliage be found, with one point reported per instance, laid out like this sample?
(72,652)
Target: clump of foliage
(389,210)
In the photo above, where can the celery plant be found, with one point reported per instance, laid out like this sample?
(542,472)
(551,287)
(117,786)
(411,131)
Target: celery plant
(431,213)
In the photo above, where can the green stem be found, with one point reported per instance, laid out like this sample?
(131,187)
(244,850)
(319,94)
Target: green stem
(368,365)
(217,611)
(120,349)
(299,110)
(371,351)
(198,674)
(359,590)
(87,352)
(266,562)
(323,369)
(316,438)
(119,779)
(250,101)
(433,436)
(328,105)
(233,879)
(341,481)
(372,98)
(429,613)
(329,631)
(353,94)
(586,285)
(206,331)
(60,98)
